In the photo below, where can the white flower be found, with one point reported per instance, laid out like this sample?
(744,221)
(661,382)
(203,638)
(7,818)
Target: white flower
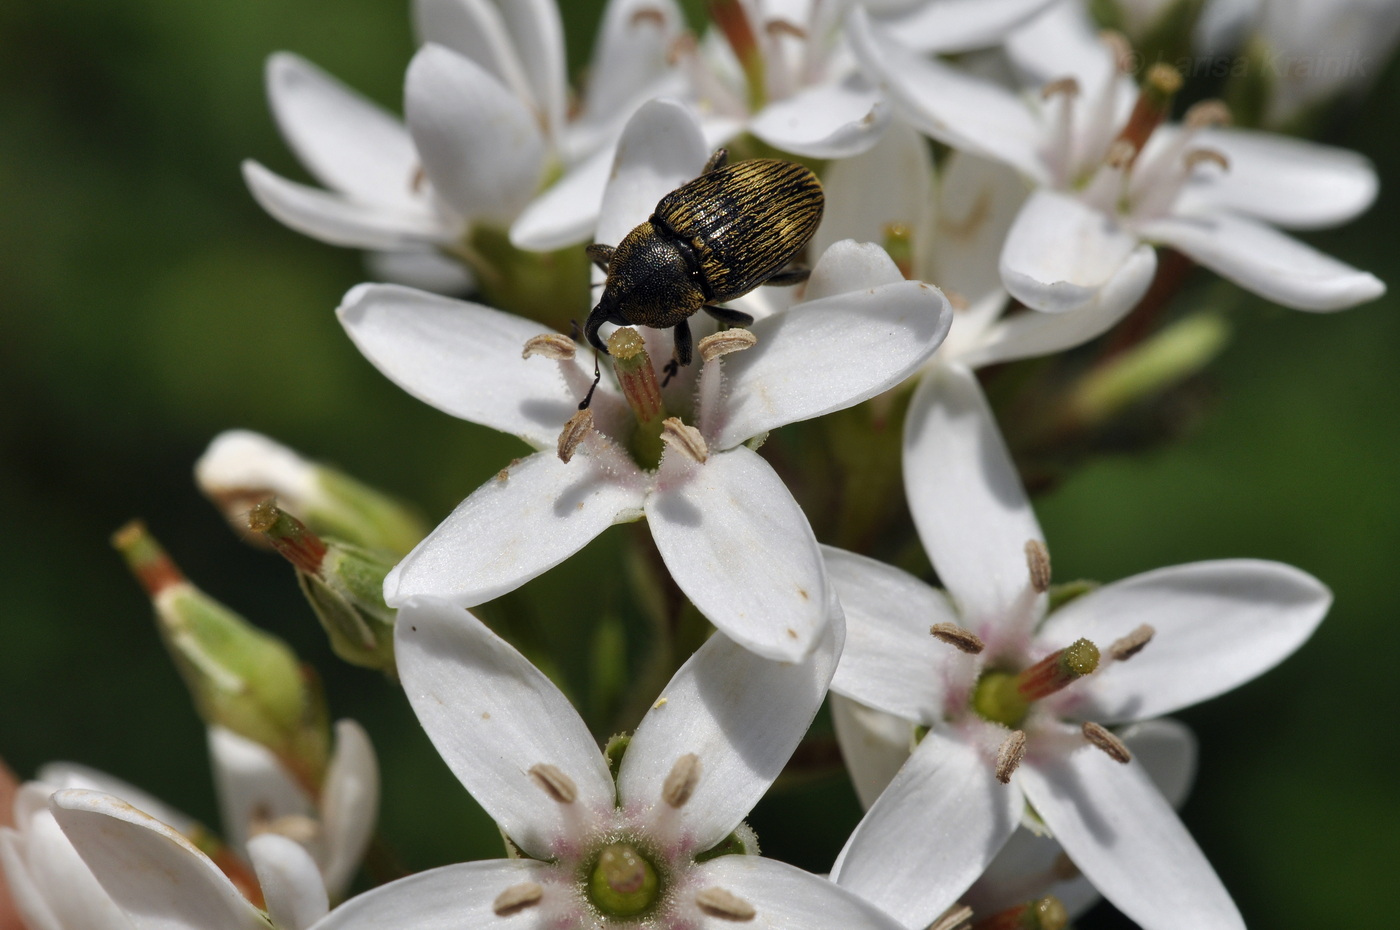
(732,537)
(603,850)
(484,102)
(1106,183)
(781,70)
(945,814)
(123,858)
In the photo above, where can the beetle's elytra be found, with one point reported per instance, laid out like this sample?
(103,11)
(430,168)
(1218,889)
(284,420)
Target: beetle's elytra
(710,240)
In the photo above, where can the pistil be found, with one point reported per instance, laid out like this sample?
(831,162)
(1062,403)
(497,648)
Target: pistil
(637,378)
(733,22)
(622,883)
(1006,697)
(1154,104)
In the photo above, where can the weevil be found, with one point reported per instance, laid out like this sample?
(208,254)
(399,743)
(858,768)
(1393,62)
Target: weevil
(710,240)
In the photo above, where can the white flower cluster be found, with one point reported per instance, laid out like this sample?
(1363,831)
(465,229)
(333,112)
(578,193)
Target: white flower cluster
(1005,735)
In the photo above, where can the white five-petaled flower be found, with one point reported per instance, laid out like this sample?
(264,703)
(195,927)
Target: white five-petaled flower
(1209,626)
(731,534)
(91,851)
(484,101)
(603,849)
(1108,181)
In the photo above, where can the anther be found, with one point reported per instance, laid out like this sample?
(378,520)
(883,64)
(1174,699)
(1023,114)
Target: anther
(1010,754)
(555,783)
(1120,154)
(681,780)
(1203,156)
(517,898)
(1207,113)
(1121,50)
(648,14)
(1067,86)
(299,827)
(957,637)
(722,343)
(784,27)
(685,439)
(957,917)
(1038,561)
(716,902)
(1110,744)
(1124,649)
(574,432)
(550,345)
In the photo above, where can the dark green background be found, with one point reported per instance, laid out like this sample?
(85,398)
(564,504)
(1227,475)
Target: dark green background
(146,303)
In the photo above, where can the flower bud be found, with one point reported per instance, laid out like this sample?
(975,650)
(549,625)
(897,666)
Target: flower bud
(343,583)
(240,677)
(241,468)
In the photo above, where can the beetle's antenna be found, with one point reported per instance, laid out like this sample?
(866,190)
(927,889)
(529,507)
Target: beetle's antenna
(597,376)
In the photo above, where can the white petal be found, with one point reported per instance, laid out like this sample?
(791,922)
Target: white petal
(347,143)
(1261,259)
(965,112)
(742,716)
(661,148)
(349,804)
(825,120)
(480,146)
(978,200)
(966,499)
(538,34)
(1030,334)
(533,515)
(931,833)
(831,352)
(1063,43)
(1028,866)
(492,717)
(426,269)
(475,30)
(53,889)
(59,775)
(741,549)
(887,186)
(252,785)
(566,213)
(153,873)
(1286,181)
(891,662)
(1218,625)
(463,358)
(1126,839)
(338,220)
(873,745)
(949,26)
(452,898)
(290,882)
(1060,252)
(785,896)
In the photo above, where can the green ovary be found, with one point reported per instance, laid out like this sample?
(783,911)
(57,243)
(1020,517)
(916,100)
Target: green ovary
(623,883)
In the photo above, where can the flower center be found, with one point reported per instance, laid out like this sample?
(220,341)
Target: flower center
(1006,697)
(622,882)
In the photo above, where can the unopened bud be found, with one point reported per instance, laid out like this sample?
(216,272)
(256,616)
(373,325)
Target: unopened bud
(241,468)
(240,678)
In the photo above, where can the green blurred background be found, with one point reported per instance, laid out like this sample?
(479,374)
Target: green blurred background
(146,303)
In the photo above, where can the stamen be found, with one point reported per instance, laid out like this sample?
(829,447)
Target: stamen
(716,902)
(1208,113)
(957,917)
(1120,155)
(555,783)
(517,898)
(785,27)
(636,376)
(550,345)
(1106,188)
(304,830)
(722,343)
(898,241)
(957,637)
(1046,914)
(1038,561)
(685,439)
(1121,50)
(648,14)
(1202,156)
(1057,670)
(1010,754)
(732,20)
(681,780)
(288,535)
(148,561)
(1153,104)
(1103,739)
(1124,649)
(574,433)
(1066,86)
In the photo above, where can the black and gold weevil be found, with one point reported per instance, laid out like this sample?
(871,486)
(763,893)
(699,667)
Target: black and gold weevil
(710,240)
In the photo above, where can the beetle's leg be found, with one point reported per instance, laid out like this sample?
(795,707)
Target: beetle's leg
(597,376)
(601,255)
(682,352)
(717,160)
(795,274)
(728,316)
